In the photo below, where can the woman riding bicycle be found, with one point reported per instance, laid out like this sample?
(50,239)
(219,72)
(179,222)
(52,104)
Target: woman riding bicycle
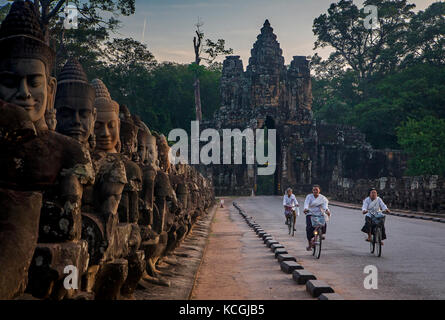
(315,206)
(289,203)
(373,206)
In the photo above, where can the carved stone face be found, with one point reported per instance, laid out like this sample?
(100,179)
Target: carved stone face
(131,145)
(163,150)
(142,147)
(152,153)
(128,137)
(106,130)
(75,117)
(24,82)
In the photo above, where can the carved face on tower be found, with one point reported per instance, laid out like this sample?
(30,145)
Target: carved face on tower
(75,103)
(25,64)
(107,123)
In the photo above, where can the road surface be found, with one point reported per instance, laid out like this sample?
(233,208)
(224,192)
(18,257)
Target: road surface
(237,265)
(412,265)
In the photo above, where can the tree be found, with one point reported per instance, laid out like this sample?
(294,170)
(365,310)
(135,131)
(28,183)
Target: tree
(211,51)
(366,51)
(426,36)
(423,140)
(378,86)
(90,11)
(128,53)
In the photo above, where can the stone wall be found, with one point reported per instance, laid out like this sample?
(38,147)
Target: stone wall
(421,193)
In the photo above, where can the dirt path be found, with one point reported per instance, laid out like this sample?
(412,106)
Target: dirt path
(237,265)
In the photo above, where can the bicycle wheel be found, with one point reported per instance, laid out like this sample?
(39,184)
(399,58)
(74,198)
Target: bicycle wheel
(317,247)
(293,224)
(378,235)
(372,242)
(289,224)
(313,244)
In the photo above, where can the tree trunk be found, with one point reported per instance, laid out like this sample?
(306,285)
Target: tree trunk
(198,100)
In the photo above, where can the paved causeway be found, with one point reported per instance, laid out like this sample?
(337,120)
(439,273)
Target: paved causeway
(412,265)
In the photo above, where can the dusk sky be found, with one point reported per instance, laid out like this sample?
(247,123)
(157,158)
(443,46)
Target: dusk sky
(170,24)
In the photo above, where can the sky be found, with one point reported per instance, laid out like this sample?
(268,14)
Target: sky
(170,25)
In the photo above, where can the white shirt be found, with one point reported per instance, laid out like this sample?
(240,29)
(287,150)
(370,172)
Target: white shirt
(290,201)
(315,210)
(368,201)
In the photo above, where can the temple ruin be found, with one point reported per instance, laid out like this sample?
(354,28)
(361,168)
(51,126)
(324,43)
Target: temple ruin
(270,94)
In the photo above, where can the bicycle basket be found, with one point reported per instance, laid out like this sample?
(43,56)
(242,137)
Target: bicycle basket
(318,221)
(377,220)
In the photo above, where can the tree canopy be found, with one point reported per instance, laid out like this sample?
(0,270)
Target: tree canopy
(384,79)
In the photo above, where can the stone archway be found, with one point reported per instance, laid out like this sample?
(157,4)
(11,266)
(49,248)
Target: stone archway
(270,185)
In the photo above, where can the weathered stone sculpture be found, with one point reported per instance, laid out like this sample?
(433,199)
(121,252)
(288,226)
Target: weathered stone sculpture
(59,208)
(122,263)
(74,103)
(129,204)
(101,223)
(49,169)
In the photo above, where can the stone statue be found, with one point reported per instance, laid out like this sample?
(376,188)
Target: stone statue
(74,103)
(42,173)
(129,205)
(126,261)
(82,181)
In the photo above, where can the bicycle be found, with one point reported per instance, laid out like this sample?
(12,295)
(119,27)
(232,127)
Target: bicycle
(318,235)
(376,233)
(290,221)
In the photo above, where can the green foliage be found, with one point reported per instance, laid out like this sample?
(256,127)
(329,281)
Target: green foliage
(162,95)
(424,142)
(4,9)
(92,12)
(366,51)
(377,79)
(215,49)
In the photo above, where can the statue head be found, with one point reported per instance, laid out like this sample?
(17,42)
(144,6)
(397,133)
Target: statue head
(107,124)
(129,137)
(75,103)
(152,151)
(163,150)
(142,139)
(26,62)
(124,113)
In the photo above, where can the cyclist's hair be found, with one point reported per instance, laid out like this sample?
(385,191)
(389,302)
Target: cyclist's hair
(316,186)
(287,190)
(372,189)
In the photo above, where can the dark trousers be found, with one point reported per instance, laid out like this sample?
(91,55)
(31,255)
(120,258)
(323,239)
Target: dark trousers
(367,228)
(310,228)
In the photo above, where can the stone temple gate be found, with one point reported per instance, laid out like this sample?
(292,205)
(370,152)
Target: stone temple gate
(274,95)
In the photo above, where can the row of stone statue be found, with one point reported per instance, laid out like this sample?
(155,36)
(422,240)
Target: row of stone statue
(85,187)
